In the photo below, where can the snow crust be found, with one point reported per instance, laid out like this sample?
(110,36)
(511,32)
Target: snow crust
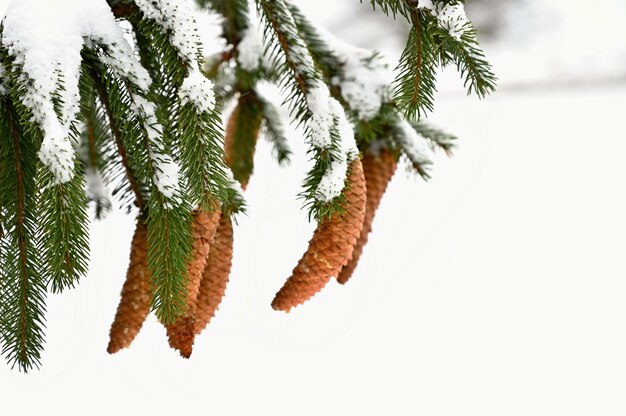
(198,90)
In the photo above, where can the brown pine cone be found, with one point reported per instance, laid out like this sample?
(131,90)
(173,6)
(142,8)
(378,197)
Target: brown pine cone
(216,273)
(136,297)
(181,333)
(378,170)
(330,248)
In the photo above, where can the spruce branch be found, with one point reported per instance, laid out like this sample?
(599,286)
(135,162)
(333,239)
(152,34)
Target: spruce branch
(168,222)
(415,83)
(438,137)
(169,249)
(97,150)
(303,83)
(326,59)
(64,223)
(465,53)
(274,130)
(290,57)
(195,134)
(111,97)
(23,286)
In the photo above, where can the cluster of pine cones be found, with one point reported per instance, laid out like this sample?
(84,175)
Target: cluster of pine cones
(334,250)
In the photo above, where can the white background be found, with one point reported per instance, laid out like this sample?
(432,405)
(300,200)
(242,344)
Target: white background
(497,288)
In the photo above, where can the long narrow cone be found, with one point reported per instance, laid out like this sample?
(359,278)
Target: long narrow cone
(181,333)
(330,247)
(378,170)
(216,274)
(136,296)
(242,133)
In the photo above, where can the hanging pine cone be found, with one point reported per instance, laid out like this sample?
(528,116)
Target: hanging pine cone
(378,170)
(181,333)
(242,132)
(216,273)
(136,297)
(330,247)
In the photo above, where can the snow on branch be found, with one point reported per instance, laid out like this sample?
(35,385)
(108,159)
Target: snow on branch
(364,78)
(45,41)
(327,125)
(166,170)
(197,90)
(414,146)
(250,49)
(450,17)
(176,18)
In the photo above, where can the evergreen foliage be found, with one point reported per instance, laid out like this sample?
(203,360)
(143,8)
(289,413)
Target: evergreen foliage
(148,134)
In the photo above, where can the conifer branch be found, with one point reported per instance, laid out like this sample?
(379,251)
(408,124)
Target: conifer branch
(305,90)
(439,138)
(150,129)
(116,132)
(415,82)
(274,130)
(97,151)
(23,287)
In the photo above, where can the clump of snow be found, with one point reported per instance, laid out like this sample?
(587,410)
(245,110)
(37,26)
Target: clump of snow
(301,58)
(333,181)
(321,120)
(451,17)
(198,90)
(327,115)
(45,41)
(250,49)
(364,84)
(166,170)
(344,128)
(56,151)
(426,4)
(177,19)
(118,55)
(365,79)
(413,144)
(233,184)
